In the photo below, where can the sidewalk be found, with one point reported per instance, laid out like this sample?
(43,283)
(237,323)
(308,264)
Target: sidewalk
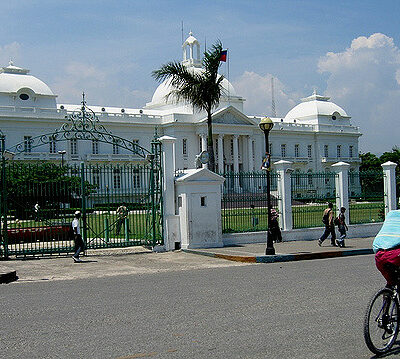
(288,251)
(140,260)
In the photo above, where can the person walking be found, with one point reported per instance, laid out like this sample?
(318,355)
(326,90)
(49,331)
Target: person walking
(274,227)
(36,209)
(342,227)
(79,245)
(122,213)
(327,219)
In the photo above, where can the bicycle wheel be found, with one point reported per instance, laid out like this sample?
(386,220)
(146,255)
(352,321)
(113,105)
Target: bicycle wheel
(381,324)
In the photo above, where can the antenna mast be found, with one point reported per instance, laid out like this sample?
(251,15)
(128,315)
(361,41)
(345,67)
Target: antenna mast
(273,98)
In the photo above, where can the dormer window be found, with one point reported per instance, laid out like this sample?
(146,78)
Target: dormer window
(24,96)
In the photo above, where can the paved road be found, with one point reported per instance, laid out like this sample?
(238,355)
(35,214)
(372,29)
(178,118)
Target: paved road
(309,309)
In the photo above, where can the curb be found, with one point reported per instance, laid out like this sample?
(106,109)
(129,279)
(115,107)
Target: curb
(283,257)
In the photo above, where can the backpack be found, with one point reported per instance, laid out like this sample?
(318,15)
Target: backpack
(325,218)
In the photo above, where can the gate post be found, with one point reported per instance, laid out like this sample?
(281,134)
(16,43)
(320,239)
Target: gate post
(4,202)
(168,165)
(84,233)
(342,185)
(285,193)
(389,185)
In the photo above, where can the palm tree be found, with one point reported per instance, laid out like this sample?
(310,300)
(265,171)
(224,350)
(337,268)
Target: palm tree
(202,89)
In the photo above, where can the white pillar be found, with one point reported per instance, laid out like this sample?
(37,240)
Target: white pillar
(389,186)
(284,170)
(204,147)
(250,153)
(342,185)
(221,153)
(168,162)
(235,155)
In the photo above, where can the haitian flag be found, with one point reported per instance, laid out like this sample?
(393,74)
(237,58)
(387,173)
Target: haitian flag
(224,53)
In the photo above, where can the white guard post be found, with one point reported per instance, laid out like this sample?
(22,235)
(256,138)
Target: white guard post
(170,220)
(198,201)
(389,185)
(342,185)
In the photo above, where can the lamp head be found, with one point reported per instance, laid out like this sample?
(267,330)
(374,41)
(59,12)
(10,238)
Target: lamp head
(266,124)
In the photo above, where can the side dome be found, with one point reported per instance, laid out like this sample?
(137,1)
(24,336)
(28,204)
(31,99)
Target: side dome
(314,106)
(13,79)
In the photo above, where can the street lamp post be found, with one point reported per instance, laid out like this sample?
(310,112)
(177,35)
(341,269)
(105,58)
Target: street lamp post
(266,125)
(62,153)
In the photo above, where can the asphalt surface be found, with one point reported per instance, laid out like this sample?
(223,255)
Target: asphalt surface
(306,309)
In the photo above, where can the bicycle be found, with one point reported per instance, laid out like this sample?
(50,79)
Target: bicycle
(381,321)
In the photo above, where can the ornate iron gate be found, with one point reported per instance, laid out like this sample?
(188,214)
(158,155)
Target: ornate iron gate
(38,200)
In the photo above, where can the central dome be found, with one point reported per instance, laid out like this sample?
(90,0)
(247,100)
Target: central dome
(162,91)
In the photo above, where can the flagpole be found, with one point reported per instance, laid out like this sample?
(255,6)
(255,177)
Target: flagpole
(229,99)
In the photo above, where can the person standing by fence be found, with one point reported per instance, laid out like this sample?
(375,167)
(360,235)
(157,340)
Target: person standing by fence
(274,227)
(342,227)
(79,245)
(328,221)
(122,213)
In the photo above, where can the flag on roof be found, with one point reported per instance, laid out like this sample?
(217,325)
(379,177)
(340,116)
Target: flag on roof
(224,53)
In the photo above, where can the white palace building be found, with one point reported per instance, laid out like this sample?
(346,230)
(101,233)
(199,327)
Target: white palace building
(313,135)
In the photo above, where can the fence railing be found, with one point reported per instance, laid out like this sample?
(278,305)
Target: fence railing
(244,201)
(310,194)
(366,197)
(39,201)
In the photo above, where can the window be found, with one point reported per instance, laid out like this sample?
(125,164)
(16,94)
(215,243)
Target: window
(200,144)
(351,151)
(203,201)
(309,151)
(326,151)
(24,97)
(27,143)
(1,144)
(232,146)
(338,151)
(136,179)
(95,147)
(117,178)
(115,147)
(310,178)
(52,144)
(283,150)
(96,177)
(135,143)
(296,151)
(73,146)
(253,148)
(184,146)
(270,149)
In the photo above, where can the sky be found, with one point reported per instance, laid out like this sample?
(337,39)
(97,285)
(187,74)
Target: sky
(347,50)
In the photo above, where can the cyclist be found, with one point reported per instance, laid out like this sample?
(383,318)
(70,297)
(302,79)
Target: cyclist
(386,246)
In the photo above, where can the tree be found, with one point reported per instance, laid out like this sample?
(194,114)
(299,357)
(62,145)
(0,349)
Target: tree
(369,162)
(203,89)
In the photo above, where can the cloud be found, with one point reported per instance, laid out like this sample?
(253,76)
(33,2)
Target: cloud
(364,79)
(10,52)
(103,87)
(256,89)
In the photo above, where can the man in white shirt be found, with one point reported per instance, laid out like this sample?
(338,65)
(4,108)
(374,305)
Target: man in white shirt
(79,245)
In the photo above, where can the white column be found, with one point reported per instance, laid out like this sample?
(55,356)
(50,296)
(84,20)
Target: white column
(168,161)
(250,153)
(389,186)
(342,185)
(220,153)
(284,171)
(204,146)
(235,155)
